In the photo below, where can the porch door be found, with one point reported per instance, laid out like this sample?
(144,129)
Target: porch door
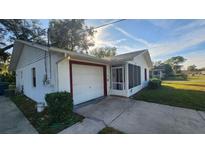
(117,78)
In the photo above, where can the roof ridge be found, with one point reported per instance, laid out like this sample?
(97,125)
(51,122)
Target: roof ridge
(132,52)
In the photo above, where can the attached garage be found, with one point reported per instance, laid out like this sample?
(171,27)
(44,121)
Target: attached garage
(88,81)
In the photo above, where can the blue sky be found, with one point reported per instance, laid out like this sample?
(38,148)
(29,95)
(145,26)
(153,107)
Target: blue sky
(163,38)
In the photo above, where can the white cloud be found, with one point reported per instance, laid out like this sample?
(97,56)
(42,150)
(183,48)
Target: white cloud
(101,38)
(192,25)
(137,39)
(196,58)
(162,23)
(181,42)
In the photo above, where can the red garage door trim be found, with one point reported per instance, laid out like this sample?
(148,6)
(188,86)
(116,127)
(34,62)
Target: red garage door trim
(90,64)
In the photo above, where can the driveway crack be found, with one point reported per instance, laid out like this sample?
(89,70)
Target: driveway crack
(121,113)
(96,119)
(201,115)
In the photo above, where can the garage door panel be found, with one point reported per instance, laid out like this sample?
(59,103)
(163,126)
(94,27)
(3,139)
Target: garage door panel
(87,82)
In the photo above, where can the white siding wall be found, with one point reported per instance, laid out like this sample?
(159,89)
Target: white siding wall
(108,79)
(33,57)
(64,76)
(140,61)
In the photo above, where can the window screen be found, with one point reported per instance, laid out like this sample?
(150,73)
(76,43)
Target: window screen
(134,75)
(117,78)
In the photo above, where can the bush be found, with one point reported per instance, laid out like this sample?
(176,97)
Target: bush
(60,106)
(154,83)
(7,77)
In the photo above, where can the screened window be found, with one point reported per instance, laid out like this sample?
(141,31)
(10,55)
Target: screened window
(134,75)
(34,77)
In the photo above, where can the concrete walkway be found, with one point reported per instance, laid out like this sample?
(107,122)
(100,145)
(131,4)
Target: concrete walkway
(131,116)
(12,120)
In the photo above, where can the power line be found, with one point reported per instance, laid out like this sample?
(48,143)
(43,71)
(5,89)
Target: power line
(104,25)
(107,24)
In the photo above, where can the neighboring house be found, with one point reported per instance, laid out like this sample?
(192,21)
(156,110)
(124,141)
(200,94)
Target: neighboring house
(41,70)
(203,72)
(158,73)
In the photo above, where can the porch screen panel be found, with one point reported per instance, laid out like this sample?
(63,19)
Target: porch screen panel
(134,75)
(139,75)
(117,78)
(130,70)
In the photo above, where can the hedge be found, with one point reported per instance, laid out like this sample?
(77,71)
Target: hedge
(60,106)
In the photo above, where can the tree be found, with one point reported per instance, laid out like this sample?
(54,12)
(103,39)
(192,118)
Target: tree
(167,69)
(103,52)
(72,35)
(191,68)
(175,63)
(11,29)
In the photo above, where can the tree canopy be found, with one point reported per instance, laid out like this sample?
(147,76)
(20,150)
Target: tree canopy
(191,68)
(72,35)
(11,29)
(175,63)
(103,52)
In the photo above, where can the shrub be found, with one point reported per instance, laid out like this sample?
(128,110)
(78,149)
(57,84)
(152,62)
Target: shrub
(7,77)
(154,83)
(60,106)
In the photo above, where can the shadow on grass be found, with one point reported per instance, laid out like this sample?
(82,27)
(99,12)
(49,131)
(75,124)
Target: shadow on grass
(167,95)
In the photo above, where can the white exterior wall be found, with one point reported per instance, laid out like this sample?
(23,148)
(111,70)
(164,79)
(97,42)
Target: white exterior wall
(64,76)
(34,58)
(139,61)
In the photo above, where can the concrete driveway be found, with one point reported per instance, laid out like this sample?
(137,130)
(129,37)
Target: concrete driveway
(131,116)
(12,120)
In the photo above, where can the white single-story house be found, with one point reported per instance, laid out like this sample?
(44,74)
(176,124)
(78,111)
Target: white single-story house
(158,73)
(41,70)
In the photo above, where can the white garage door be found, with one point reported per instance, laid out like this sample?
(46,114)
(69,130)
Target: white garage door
(87,83)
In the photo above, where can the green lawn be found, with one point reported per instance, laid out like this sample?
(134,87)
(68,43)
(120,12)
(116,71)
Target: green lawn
(41,120)
(187,94)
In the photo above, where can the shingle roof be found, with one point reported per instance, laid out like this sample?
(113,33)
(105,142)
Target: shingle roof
(129,55)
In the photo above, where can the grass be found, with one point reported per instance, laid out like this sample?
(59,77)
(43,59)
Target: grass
(41,120)
(110,130)
(187,94)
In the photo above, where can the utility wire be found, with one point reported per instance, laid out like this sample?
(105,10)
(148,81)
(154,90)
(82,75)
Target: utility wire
(109,23)
(104,25)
